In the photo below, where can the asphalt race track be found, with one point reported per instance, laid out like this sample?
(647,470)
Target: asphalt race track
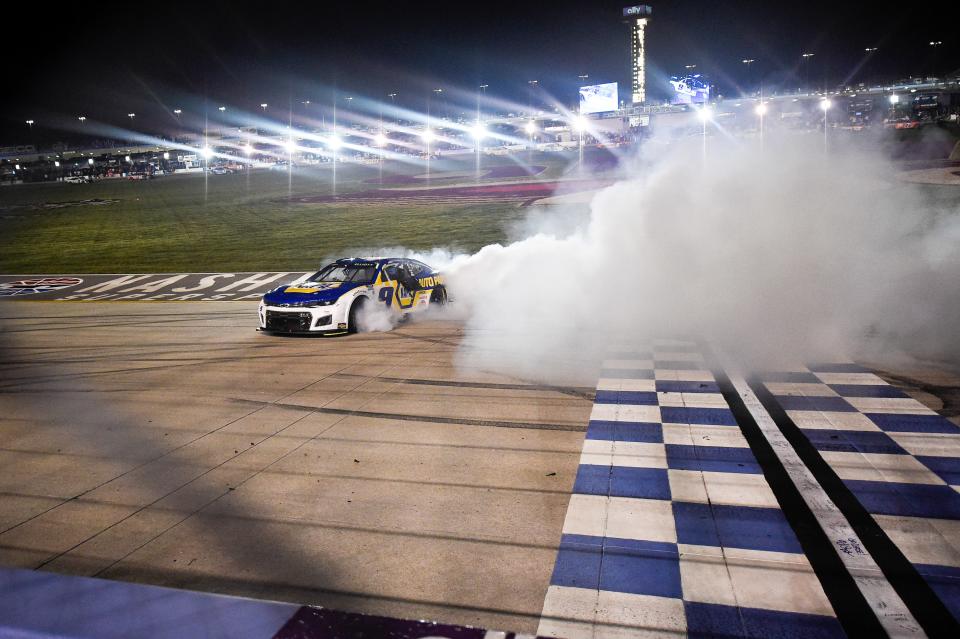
(172,444)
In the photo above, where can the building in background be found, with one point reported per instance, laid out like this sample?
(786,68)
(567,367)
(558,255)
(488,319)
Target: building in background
(637,18)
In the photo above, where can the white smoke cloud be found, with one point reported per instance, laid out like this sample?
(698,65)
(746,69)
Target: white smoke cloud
(375,318)
(786,255)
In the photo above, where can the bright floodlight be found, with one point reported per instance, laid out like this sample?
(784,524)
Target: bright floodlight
(894,98)
(760,109)
(530,127)
(380,139)
(206,152)
(177,111)
(478,131)
(90,161)
(247,148)
(166,155)
(131,115)
(126,158)
(56,162)
(826,104)
(290,146)
(335,143)
(222,109)
(427,136)
(705,114)
(579,123)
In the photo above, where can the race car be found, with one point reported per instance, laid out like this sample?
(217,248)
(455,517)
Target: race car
(334,299)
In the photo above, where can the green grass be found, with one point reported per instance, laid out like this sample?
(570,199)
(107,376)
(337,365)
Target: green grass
(241,223)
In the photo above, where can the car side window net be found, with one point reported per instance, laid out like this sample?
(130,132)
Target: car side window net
(335,273)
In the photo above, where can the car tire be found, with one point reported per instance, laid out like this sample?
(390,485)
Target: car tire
(438,296)
(355,309)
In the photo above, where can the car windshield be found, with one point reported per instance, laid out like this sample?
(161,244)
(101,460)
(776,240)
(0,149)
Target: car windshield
(358,273)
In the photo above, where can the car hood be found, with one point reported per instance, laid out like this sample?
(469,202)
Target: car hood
(311,292)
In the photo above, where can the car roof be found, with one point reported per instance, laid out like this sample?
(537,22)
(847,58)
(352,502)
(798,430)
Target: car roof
(377,260)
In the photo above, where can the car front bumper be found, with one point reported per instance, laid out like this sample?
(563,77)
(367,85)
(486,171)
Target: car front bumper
(319,319)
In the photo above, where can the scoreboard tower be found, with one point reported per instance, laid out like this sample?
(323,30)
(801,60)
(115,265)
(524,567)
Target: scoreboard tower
(637,17)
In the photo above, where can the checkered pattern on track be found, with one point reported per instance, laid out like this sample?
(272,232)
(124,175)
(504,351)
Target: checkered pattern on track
(672,528)
(900,459)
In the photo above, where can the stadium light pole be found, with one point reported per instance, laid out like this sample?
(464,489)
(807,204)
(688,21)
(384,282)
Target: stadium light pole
(866,64)
(393,103)
(530,128)
(380,141)
(332,143)
(483,91)
(806,70)
(705,114)
(439,93)
(935,45)
(761,110)
(30,128)
(894,100)
(533,86)
(82,119)
(749,64)
(427,137)
(349,100)
(477,131)
(825,104)
(428,132)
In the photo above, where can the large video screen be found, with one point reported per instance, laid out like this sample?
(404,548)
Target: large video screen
(599,98)
(690,89)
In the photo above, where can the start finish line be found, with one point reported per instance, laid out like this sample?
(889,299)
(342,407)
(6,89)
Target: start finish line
(156,287)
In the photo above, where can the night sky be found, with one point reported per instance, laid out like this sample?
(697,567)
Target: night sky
(104,60)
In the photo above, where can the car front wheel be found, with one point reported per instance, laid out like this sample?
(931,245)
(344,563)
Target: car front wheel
(355,310)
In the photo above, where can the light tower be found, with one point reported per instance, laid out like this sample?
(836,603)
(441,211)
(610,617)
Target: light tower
(637,18)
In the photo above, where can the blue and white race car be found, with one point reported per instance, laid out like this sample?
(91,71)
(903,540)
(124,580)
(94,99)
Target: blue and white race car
(334,299)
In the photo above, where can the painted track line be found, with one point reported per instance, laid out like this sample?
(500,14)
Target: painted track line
(890,609)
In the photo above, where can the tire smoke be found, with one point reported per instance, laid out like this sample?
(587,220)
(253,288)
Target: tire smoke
(375,318)
(779,257)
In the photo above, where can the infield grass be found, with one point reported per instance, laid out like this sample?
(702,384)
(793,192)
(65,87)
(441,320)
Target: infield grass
(239,222)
